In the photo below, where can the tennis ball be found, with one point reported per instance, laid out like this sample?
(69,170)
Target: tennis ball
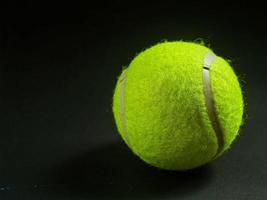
(178,106)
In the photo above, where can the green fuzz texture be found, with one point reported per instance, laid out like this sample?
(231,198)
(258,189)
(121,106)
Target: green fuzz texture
(164,106)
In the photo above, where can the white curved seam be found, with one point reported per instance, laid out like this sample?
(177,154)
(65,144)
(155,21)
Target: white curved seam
(122,105)
(209,58)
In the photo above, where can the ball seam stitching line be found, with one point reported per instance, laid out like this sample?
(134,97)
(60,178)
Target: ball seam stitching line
(122,105)
(209,100)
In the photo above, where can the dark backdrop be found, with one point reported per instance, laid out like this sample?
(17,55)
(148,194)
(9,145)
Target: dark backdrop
(59,64)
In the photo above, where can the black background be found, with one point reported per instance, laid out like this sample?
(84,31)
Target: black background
(59,65)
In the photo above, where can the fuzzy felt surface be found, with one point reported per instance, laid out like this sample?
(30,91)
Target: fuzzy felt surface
(228,100)
(164,106)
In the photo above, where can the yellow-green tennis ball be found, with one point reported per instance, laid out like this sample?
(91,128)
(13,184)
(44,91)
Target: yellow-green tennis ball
(178,105)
